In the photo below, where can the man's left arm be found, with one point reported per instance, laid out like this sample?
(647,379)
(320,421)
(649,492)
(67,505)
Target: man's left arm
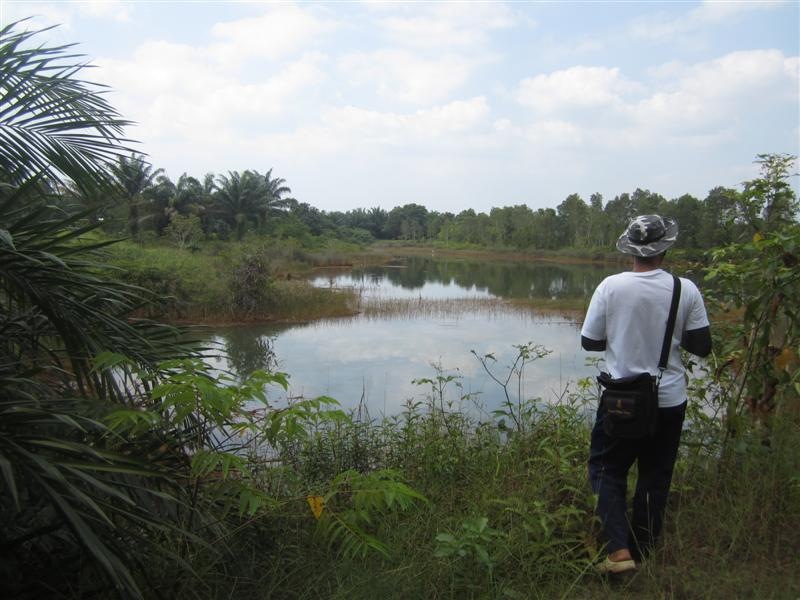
(697,341)
(696,336)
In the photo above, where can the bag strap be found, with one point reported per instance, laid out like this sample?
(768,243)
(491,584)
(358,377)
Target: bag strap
(673,313)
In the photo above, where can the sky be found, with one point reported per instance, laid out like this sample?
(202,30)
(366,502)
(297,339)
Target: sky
(452,105)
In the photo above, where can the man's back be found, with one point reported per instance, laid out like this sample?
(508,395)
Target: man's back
(629,311)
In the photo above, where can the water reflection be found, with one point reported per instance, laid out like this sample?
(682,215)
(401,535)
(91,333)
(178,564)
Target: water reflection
(373,361)
(247,352)
(466,277)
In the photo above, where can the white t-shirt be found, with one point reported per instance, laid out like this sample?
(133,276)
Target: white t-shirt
(630,310)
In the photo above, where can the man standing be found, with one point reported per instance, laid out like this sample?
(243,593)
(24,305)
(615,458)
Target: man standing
(627,320)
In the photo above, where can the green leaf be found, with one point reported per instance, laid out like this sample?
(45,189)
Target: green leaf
(8,475)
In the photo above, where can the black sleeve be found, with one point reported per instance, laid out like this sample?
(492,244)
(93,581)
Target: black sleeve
(697,341)
(592,345)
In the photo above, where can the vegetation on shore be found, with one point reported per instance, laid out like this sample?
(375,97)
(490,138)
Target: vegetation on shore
(129,468)
(202,286)
(508,514)
(230,283)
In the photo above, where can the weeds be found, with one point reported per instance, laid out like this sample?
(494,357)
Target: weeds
(232,283)
(509,513)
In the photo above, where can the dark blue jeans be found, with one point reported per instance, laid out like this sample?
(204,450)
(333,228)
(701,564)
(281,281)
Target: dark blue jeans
(610,459)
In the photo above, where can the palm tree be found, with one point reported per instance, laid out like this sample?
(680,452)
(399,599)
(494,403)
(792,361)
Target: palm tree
(238,199)
(188,195)
(134,178)
(274,192)
(60,480)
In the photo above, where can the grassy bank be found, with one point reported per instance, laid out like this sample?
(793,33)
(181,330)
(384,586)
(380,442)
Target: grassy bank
(260,280)
(508,512)
(233,283)
(605,255)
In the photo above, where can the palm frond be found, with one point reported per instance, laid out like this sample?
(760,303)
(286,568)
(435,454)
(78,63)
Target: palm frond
(52,123)
(49,450)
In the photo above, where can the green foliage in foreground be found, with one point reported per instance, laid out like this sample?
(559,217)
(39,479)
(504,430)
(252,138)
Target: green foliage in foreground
(509,514)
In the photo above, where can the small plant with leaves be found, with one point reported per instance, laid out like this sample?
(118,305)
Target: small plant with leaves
(354,504)
(473,544)
(516,406)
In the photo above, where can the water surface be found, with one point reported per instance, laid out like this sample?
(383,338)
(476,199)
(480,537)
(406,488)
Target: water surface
(373,361)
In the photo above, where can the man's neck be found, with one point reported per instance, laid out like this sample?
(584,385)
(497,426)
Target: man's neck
(640,266)
(644,268)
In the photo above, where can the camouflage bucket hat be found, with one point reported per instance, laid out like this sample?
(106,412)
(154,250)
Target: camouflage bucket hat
(648,235)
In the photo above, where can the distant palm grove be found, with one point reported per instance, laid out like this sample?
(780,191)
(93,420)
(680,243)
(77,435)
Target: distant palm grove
(228,206)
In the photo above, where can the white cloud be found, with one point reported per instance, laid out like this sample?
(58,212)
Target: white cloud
(575,87)
(503,125)
(435,92)
(660,27)
(555,134)
(180,90)
(792,68)
(114,10)
(709,97)
(428,50)
(402,76)
(423,126)
(281,30)
(711,11)
(454,117)
(63,14)
(698,104)
(447,24)
(351,131)
(39,15)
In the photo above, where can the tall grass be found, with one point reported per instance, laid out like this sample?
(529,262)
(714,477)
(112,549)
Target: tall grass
(202,286)
(509,513)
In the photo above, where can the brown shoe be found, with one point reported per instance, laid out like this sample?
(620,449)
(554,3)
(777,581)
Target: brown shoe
(615,567)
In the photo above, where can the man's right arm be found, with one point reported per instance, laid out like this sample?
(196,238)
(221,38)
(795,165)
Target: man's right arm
(593,332)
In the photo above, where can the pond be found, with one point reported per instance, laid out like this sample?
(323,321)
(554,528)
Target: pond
(422,318)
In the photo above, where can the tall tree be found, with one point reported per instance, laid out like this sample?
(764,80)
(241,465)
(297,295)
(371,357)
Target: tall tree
(407,222)
(573,216)
(276,192)
(188,196)
(769,202)
(645,202)
(313,218)
(718,217)
(546,229)
(238,200)
(619,212)
(134,178)
(687,211)
(597,221)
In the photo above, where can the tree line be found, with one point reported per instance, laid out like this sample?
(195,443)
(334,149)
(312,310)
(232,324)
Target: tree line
(147,204)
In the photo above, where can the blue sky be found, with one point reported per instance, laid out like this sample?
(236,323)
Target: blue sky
(452,105)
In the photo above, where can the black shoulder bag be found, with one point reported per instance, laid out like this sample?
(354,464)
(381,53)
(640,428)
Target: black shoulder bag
(631,403)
